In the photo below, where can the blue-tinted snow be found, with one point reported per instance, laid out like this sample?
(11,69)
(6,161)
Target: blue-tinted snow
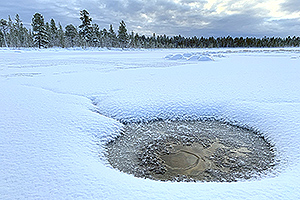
(58,107)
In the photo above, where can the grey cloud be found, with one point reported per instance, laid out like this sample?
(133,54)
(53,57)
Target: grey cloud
(234,25)
(27,8)
(165,16)
(291,6)
(286,27)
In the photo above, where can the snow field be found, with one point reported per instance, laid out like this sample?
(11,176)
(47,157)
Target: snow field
(58,107)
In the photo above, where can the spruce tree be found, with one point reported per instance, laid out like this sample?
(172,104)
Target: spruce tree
(40,36)
(13,36)
(9,37)
(112,36)
(105,38)
(96,35)
(18,32)
(1,39)
(71,35)
(86,27)
(137,42)
(18,35)
(48,32)
(4,30)
(60,36)
(53,36)
(131,40)
(123,35)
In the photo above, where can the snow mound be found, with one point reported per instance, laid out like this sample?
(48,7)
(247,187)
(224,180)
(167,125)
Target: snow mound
(193,58)
(189,57)
(205,58)
(176,57)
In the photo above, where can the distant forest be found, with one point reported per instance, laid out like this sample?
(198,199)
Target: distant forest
(49,34)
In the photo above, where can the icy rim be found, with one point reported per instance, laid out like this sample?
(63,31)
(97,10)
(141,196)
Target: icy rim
(206,149)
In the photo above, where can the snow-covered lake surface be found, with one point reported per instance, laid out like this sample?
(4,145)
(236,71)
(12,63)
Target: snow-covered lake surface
(58,107)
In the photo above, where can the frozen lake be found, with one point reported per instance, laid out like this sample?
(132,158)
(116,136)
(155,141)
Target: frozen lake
(59,107)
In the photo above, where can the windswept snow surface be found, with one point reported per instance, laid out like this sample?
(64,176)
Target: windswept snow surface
(58,107)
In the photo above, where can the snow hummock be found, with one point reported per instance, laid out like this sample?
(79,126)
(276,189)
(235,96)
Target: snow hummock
(205,58)
(60,106)
(189,57)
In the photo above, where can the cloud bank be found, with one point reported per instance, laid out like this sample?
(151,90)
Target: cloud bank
(172,17)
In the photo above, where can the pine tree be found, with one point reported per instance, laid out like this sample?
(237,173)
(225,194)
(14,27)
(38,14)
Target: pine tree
(86,27)
(1,39)
(40,35)
(18,32)
(131,40)
(137,42)
(30,41)
(105,38)
(53,37)
(123,35)
(71,34)
(9,37)
(18,35)
(153,41)
(13,36)
(96,35)
(60,36)
(4,30)
(48,32)
(112,36)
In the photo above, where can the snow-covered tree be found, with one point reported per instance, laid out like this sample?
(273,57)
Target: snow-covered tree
(71,35)
(4,30)
(48,32)
(95,36)
(131,40)
(9,35)
(17,32)
(85,29)
(60,36)
(112,36)
(123,35)
(18,35)
(39,31)
(105,40)
(53,35)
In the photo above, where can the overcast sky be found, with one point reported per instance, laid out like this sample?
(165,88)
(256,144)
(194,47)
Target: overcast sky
(171,17)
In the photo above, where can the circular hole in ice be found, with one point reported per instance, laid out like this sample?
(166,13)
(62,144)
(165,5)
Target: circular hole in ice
(195,150)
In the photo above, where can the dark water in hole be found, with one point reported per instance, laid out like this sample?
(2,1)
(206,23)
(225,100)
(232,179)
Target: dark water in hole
(190,151)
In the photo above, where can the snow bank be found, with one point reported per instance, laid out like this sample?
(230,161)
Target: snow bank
(59,107)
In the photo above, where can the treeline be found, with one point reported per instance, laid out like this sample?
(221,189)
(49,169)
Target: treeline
(46,35)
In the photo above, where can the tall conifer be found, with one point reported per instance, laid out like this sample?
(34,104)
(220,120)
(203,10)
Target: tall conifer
(123,35)
(86,27)
(40,35)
